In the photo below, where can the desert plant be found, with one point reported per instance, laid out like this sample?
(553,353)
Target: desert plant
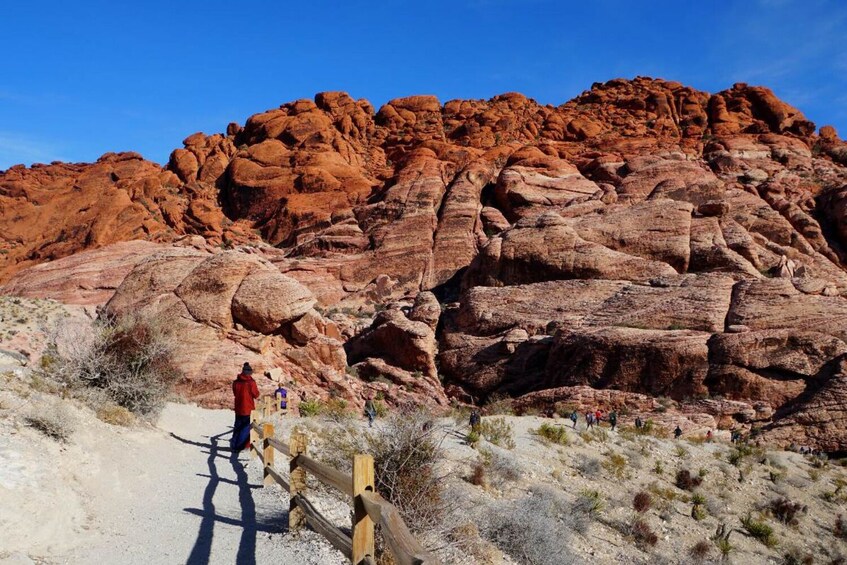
(840,528)
(795,556)
(591,502)
(686,481)
(115,415)
(130,358)
(498,431)
(700,551)
(643,534)
(534,529)
(615,465)
(698,512)
(554,434)
(472,438)
(588,465)
(498,404)
(380,408)
(335,409)
(642,502)
(478,475)
(310,408)
(786,511)
(501,466)
(759,530)
(659,468)
(721,539)
(54,422)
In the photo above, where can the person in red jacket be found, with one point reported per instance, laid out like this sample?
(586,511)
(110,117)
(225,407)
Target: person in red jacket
(246,392)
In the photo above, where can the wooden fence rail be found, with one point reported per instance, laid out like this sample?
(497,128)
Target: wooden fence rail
(369,508)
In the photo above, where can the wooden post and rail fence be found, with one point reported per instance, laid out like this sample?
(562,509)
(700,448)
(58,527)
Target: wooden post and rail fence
(369,507)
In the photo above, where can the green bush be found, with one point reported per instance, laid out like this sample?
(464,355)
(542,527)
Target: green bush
(310,408)
(498,431)
(554,434)
(615,465)
(759,530)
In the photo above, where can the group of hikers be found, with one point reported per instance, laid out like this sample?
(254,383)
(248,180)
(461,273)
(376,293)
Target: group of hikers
(246,392)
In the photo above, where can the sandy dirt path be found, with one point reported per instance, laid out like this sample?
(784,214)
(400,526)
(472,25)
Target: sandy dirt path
(176,495)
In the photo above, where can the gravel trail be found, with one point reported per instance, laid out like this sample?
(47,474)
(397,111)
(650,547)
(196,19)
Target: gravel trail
(176,495)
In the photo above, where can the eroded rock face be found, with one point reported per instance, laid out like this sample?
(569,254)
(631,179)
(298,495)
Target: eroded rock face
(643,237)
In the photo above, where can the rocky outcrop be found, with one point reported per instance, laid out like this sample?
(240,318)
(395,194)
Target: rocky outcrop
(644,237)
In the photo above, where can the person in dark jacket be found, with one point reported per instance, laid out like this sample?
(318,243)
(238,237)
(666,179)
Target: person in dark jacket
(475,420)
(370,411)
(245,392)
(613,419)
(677,432)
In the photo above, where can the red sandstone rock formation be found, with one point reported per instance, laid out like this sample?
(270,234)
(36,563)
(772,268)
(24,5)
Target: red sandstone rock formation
(644,237)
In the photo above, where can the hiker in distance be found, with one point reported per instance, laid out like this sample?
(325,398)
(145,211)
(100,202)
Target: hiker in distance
(245,393)
(370,410)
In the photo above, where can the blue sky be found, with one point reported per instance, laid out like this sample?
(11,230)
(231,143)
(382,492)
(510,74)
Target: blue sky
(78,79)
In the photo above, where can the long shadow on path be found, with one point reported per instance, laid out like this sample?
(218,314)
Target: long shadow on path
(202,551)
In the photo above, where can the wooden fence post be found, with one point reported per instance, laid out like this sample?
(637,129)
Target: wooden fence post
(254,437)
(267,453)
(363,526)
(297,480)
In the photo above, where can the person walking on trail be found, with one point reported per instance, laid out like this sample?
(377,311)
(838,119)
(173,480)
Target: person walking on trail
(613,419)
(598,416)
(245,393)
(589,420)
(638,423)
(709,436)
(475,420)
(370,411)
(574,418)
(677,432)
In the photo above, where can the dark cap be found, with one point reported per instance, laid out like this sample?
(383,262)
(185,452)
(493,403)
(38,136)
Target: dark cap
(247,369)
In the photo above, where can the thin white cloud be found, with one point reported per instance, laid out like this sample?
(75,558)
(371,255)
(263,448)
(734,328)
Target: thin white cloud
(18,148)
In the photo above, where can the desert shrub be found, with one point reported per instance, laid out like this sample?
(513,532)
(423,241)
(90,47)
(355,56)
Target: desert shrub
(596,433)
(724,546)
(698,512)
(53,421)
(681,452)
(698,498)
(588,465)
(615,465)
(115,415)
(659,468)
(406,451)
(472,438)
(498,404)
(795,556)
(554,434)
(498,431)
(840,528)
(380,408)
(759,530)
(686,481)
(590,502)
(460,414)
(534,529)
(335,409)
(642,502)
(643,534)
(501,466)
(786,511)
(310,408)
(478,477)
(700,551)
(130,358)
